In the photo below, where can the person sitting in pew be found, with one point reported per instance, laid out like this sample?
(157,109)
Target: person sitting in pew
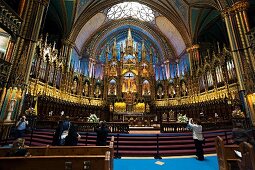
(102,133)
(239,134)
(18,148)
(61,132)
(73,136)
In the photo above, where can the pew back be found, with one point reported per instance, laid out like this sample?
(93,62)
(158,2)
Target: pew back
(225,153)
(34,150)
(85,162)
(64,150)
(247,161)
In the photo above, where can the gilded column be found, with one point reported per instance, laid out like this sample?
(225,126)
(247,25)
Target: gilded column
(9,52)
(236,29)
(194,58)
(31,11)
(65,55)
(106,74)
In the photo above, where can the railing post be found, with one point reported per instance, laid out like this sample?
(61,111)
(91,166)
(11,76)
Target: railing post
(226,137)
(117,155)
(86,141)
(33,121)
(157,156)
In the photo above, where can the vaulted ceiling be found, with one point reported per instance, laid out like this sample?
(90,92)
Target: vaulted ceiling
(179,23)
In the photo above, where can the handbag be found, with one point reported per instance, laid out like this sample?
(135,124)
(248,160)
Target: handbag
(64,135)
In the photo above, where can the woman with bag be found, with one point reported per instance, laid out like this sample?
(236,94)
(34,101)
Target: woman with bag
(73,137)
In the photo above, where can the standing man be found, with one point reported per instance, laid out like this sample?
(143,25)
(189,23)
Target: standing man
(102,133)
(21,127)
(198,137)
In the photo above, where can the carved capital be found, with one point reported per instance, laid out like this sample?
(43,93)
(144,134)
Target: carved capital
(193,47)
(240,6)
(237,7)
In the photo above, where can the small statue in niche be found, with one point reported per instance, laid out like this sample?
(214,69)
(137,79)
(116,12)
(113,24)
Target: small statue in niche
(164,117)
(145,72)
(184,89)
(112,89)
(113,70)
(86,89)
(74,87)
(171,91)
(160,92)
(146,89)
(97,91)
(171,116)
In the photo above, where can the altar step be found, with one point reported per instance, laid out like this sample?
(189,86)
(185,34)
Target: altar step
(143,130)
(145,141)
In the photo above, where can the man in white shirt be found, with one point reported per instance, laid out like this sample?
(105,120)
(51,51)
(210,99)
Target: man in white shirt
(198,138)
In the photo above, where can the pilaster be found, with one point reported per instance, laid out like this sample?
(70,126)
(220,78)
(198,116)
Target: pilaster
(237,26)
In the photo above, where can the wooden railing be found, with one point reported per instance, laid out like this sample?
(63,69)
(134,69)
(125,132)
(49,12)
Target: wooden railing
(172,127)
(115,127)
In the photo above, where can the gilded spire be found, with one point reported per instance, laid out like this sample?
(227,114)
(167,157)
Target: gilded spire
(129,43)
(114,49)
(143,51)
(129,38)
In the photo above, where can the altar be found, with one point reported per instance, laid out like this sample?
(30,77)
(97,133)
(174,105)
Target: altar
(135,118)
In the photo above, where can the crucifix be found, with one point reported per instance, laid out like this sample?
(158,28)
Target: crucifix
(129,78)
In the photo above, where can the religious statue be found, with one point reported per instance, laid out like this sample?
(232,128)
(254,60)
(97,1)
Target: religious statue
(12,105)
(133,89)
(146,89)
(86,89)
(112,89)
(171,116)
(129,84)
(144,72)
(97,91)
(184,89)
(171,91)
(74,87)
(164,117)
(160,92)
(113,70)
(10,109)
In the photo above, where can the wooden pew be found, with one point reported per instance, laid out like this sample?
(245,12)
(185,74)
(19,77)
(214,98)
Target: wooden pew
(247,161)
(68,151)
(65,150)
(226,155)
(33,150)
(84,162)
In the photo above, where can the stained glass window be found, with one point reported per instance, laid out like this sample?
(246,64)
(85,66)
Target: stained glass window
(131,9)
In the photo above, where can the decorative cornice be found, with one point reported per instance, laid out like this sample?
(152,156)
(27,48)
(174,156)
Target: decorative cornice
(193,47)
(9,19)
(238,6)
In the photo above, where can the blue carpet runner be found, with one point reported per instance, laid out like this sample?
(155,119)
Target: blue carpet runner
(180,163)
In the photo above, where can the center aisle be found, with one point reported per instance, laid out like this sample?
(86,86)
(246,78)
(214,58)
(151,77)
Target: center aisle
(173,163)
